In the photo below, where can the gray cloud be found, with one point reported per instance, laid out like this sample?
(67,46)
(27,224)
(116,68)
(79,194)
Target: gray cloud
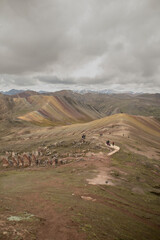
(55,80)
(104,44)
(15,80)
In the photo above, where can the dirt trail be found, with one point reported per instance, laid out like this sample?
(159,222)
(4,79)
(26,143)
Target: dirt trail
(103,176)
(116,149)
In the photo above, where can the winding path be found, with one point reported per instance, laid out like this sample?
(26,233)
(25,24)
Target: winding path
(116,149)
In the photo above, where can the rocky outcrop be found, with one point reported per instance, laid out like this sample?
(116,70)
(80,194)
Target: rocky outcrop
(41,157)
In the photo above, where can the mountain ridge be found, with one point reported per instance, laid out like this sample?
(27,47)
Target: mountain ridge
(67,107)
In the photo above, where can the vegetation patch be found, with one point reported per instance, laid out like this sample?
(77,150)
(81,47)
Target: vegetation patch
(22,217)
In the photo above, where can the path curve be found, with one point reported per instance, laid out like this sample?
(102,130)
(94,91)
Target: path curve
(116,149)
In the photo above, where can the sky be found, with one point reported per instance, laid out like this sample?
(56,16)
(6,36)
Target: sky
(89,44)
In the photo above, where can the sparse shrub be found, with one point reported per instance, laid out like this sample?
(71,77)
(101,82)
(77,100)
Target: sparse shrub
(115,173)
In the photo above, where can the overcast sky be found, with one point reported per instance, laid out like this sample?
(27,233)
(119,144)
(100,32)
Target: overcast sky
(87,44)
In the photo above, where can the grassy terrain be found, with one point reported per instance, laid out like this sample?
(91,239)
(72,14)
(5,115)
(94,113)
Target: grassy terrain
(115,214)
(59,202)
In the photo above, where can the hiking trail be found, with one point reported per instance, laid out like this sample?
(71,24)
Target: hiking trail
(116,149)
(103,176)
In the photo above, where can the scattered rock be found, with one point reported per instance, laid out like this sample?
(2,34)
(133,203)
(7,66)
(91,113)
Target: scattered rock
(88,198)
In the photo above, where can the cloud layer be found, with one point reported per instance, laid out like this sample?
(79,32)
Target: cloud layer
(56,44)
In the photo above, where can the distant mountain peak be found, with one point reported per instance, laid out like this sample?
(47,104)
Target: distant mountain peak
(12,92)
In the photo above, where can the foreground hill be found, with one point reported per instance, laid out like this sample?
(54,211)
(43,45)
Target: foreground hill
(137,134)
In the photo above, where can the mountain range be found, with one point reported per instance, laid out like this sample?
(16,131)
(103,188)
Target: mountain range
(83,91)
(67,107)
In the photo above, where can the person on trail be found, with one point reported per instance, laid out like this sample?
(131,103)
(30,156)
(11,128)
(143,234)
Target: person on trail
(56,161)
(113,143)
(83,136)
(108,143)
(30,159)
